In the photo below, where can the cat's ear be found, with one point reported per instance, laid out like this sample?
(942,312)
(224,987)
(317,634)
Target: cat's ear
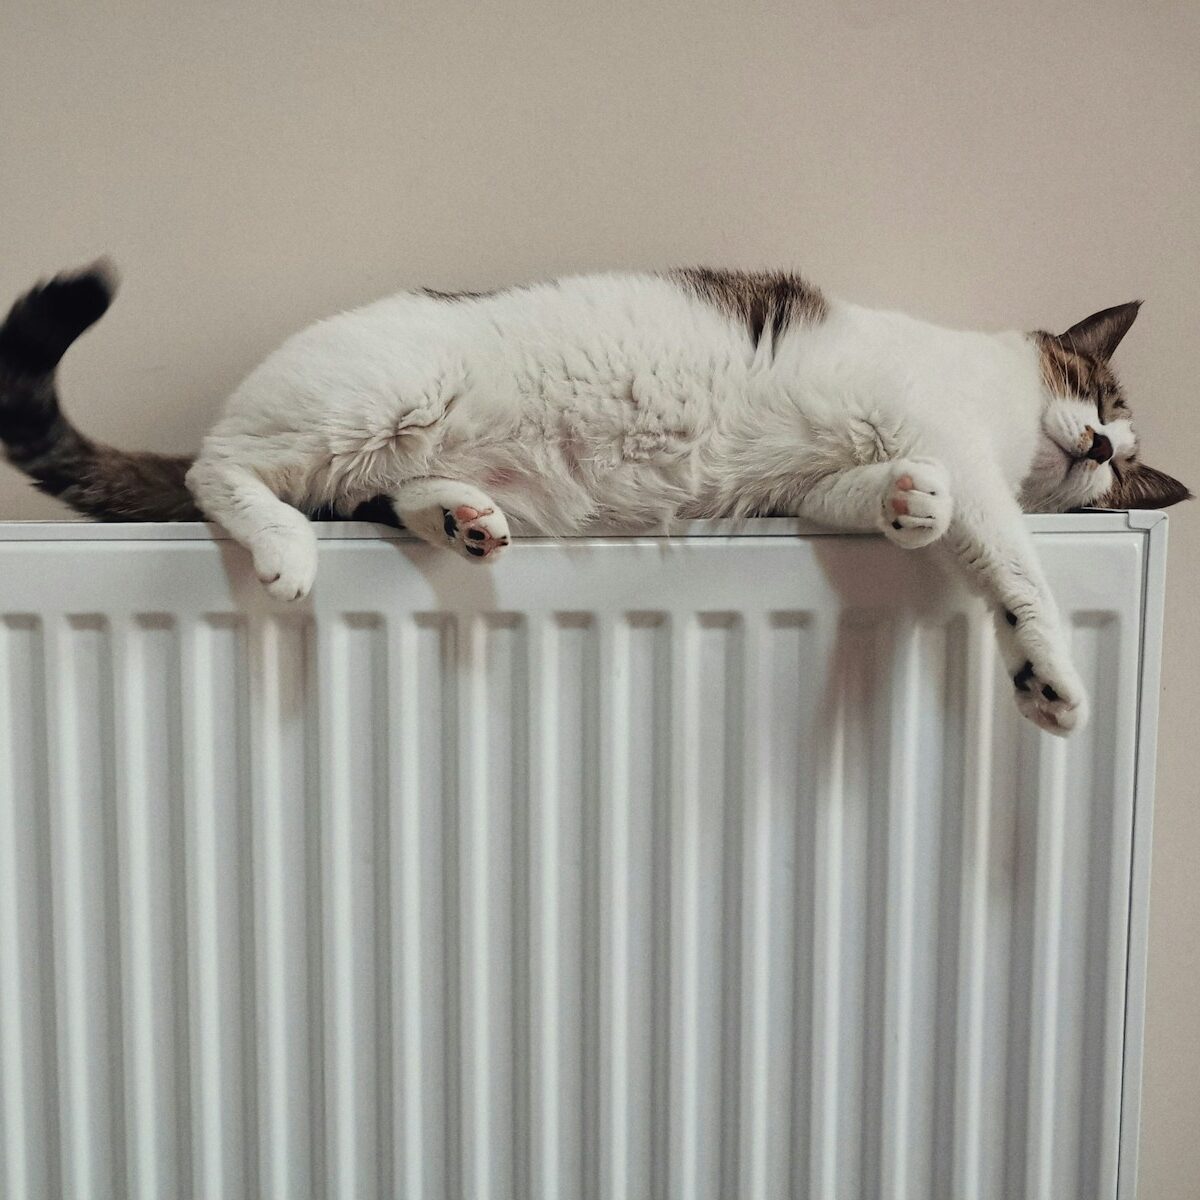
(1144,487)
(1099,335)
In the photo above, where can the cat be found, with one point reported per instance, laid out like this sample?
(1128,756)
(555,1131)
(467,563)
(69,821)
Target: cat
(630,399)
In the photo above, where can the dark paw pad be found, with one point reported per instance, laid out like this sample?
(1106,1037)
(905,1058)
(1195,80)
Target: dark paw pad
(449,524)
(1010,617)
(1050,693)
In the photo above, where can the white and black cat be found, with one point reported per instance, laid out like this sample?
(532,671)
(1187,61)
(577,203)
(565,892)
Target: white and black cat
(631,399)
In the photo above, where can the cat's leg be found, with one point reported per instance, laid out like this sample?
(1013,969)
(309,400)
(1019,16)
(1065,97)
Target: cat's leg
(451,514)
(989,538)
(907,499)
(910,501)
(280,539)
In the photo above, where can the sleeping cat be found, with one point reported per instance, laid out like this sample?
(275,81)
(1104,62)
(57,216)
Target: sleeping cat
(631,399)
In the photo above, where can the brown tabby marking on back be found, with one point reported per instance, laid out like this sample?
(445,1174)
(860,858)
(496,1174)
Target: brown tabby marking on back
(452,297)
(763,301)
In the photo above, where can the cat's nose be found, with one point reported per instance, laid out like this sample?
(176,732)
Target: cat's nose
(1101,450)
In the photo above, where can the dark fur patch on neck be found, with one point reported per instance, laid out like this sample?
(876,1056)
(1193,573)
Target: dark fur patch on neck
(765,302)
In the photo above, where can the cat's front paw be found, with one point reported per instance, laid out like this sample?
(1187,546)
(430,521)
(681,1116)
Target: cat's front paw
(916,503)
(285,561)
(1046,685)
(1052,696)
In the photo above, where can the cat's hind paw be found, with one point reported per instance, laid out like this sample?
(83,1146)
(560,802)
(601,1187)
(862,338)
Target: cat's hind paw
(454,515)
(1054,700)
(476,533)
(917,505)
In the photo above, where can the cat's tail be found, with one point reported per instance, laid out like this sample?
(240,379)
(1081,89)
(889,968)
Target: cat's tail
(37,436)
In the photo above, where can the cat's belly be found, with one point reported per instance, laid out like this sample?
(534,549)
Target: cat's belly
(623,448)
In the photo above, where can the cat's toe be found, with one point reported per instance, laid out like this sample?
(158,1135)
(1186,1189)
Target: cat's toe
(911,533)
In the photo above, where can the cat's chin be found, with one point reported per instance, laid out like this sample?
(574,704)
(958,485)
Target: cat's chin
(1093,481)
(1060,481)
(1049,478)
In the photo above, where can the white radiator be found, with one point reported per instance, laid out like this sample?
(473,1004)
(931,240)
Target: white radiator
(718,867)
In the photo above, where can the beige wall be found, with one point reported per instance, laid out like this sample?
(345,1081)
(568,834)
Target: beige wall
(991,164)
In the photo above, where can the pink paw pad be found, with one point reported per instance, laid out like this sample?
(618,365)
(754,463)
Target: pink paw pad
(470,526)
(464,513)
(899,503)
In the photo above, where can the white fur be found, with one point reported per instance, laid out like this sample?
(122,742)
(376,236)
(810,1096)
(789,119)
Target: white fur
(625,399)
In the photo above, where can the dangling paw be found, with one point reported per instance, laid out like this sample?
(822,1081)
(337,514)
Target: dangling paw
(1054,700)
(476,532)
(916,503)
(1048,689)
(285,561)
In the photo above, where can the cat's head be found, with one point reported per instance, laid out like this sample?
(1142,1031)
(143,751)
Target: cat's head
(1088,450)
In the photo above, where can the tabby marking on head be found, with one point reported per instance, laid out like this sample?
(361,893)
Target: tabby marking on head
(1090,415)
